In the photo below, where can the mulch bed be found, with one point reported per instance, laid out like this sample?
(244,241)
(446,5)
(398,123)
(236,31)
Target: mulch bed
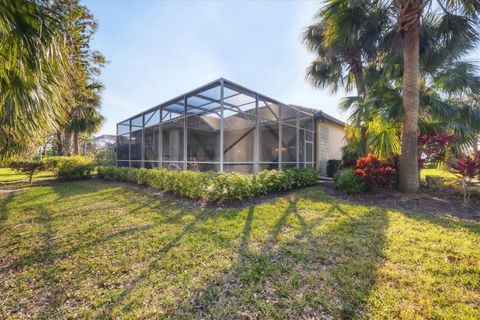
(444,201)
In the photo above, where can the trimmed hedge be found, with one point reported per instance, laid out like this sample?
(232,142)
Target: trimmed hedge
(210,186)
(70,168)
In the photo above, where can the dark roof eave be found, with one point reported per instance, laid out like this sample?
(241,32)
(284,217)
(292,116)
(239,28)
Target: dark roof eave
(322,116)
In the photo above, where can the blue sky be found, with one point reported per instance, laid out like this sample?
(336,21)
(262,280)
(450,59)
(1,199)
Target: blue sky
(160,49)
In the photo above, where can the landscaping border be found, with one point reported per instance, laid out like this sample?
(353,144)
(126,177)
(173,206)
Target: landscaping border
(213,187)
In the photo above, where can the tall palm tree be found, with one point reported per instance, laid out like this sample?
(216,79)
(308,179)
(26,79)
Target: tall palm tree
(85,117)
(449,94)
(344,39)
(458,19)
(33,75)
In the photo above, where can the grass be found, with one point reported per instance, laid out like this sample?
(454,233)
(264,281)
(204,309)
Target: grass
(437,173)
(9,175)
(92,249)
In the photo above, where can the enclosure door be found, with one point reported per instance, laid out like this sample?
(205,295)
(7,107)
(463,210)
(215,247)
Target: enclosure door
(308,154)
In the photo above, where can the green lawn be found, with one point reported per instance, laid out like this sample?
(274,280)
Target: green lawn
(8,175)
(92,249)
(438,173)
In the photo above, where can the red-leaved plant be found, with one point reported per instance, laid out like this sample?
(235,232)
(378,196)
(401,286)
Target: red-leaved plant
(467,168)
(432,148)
(376,173)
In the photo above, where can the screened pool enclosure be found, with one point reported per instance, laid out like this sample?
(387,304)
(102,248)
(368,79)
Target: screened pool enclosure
(220,127)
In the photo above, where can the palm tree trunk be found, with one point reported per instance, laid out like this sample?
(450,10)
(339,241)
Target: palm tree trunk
(68,144)
(409,178)
(361,92)
(59,143)
(76,143)
(358,75)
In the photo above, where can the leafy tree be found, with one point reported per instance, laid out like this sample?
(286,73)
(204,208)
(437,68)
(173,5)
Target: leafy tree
(84,118)
(33,75)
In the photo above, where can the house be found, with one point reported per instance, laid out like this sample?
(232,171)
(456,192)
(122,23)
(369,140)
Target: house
(225,127)
(104,142)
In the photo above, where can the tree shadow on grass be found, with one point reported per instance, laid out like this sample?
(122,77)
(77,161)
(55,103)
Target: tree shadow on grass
(50,250)
(119,299)
(446,222)
(4,202)
(91,240)
(43,258)
(327,269)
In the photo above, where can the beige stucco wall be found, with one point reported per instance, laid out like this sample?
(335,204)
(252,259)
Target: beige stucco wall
(330,140)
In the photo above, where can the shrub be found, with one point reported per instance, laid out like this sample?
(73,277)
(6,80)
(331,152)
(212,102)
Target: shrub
(347,181)
(213,187)
(28,168)
(332,167)
(70,168)
(376,173)
(231,186)
(118,173)
(349,157)
(105,157)
(466,168)
(434,182)
(305,177)
(433,148)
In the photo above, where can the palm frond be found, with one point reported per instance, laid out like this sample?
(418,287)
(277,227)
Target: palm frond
(459,78)
(33,74)
(326,73)
(384,138)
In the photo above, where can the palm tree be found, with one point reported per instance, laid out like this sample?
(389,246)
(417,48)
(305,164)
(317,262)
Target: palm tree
(85,117)
(86,120)
(344,39)
(458,20)
(33,75)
